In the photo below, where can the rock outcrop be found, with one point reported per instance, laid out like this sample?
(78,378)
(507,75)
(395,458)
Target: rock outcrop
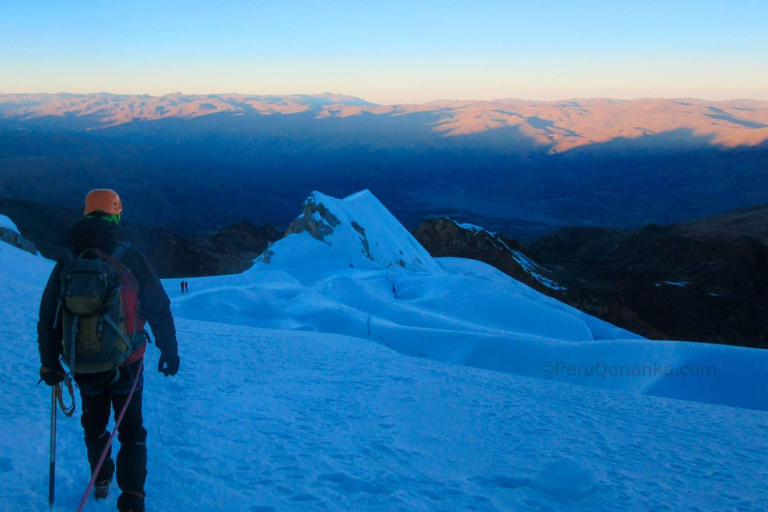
(230,251)
(704,280)
(315,219)
(11,237)
(445,237)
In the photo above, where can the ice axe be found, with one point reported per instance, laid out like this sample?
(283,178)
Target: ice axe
(57,396)
(52,469)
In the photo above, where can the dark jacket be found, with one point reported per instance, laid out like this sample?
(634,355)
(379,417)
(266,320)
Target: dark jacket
(153,301)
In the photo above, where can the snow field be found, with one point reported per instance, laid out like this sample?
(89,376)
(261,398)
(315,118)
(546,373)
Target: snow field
(474,315)
(274,420)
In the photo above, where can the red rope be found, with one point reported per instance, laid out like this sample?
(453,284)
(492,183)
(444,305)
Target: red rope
(109,442)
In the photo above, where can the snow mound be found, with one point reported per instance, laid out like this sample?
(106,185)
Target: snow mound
(357,231)
(474,315)
(6,223)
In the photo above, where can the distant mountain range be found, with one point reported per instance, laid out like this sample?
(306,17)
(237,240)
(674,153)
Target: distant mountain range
(558,125)
(197,163)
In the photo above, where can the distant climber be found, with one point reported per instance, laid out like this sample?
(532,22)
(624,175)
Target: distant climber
(186,287)
(90,315)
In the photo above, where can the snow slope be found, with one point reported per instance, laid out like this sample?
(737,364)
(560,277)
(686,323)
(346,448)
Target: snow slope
(474,315)
(270,413)
(264,419)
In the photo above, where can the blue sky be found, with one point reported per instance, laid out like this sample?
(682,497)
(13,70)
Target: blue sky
(389,51)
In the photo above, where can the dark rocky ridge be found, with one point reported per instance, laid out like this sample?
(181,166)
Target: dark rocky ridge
(229,251)
(704,280)
(444,238)
(11,237)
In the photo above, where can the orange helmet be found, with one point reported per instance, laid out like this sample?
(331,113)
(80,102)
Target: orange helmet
(103,200)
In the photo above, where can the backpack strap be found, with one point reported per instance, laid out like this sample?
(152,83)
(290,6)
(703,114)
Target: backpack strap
(120,250)
(128,281)
(66,258)
(73,348)
(119,331)
(91,250)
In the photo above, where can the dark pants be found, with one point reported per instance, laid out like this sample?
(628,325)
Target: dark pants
(100,393)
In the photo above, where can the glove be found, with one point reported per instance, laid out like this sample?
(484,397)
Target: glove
(52,376)
(168,365)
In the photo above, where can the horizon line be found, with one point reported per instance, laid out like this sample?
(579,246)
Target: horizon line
(352,96)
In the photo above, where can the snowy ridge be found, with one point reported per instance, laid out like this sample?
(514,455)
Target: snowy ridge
(532,268)
(535,271)
(357,231)
(471,227)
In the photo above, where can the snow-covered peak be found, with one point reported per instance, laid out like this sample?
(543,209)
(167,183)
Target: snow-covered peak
(357,231)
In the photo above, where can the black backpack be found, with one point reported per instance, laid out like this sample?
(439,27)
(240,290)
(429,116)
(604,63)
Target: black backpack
(100,317)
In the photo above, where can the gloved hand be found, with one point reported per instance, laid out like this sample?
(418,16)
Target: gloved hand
(168,364)
(52,376)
